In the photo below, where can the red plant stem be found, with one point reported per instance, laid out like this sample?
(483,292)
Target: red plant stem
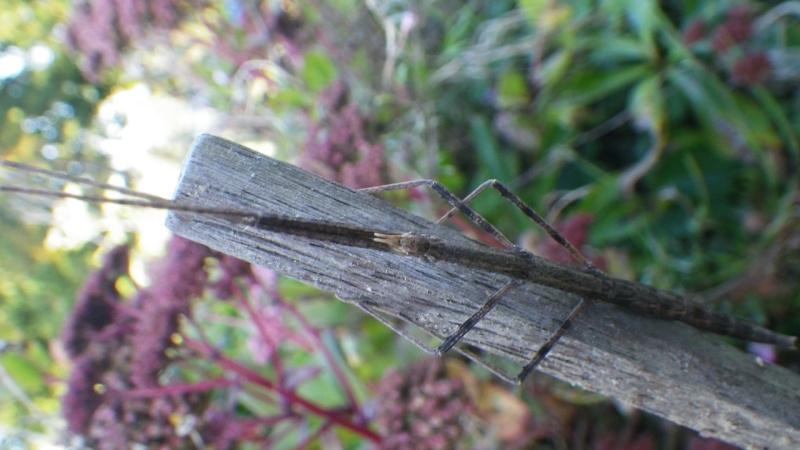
(262,330)
(332,363)
(291,397)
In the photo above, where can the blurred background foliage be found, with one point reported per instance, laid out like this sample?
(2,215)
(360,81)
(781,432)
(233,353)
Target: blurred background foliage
(663,136)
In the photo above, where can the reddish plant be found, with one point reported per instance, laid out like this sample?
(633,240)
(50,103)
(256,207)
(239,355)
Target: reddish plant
(140,376)
(423,408)
(343,146)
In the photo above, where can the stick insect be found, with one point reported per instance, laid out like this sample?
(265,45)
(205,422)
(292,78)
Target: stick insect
(589,283)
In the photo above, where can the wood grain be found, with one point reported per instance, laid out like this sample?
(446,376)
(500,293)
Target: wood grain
(667,368)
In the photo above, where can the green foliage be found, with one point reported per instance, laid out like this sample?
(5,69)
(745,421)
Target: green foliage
(27,23)
(628,60)
(319,72)
(25,375)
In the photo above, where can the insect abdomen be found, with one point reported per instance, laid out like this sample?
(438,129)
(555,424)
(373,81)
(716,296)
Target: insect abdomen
(649,301)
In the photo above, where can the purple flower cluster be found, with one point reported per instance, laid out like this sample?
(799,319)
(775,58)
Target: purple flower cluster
(132,361)
(121,346)
(735,30)
(182,277)
(423,408)
(97,305)
(101,29)
(343,146)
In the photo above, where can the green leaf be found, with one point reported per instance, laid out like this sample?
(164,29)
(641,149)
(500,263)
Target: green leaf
(726,112)
(617,50)
(643,17)
(590,86)
(459,31)
(545,15)
(487,150)
(319,72)
(553,68)
(290,98)
(533,9)
(24,373)
(513,91)
(767,103)
(647,104)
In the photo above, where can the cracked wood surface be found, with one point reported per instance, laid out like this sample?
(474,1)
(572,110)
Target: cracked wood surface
(667,368)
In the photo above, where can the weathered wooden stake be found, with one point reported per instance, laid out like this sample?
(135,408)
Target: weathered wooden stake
(689,377)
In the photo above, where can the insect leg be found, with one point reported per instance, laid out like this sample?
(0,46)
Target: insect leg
(530,213)
(470,323)
(375,312)
(462,205)
(551,341)
(450,198)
